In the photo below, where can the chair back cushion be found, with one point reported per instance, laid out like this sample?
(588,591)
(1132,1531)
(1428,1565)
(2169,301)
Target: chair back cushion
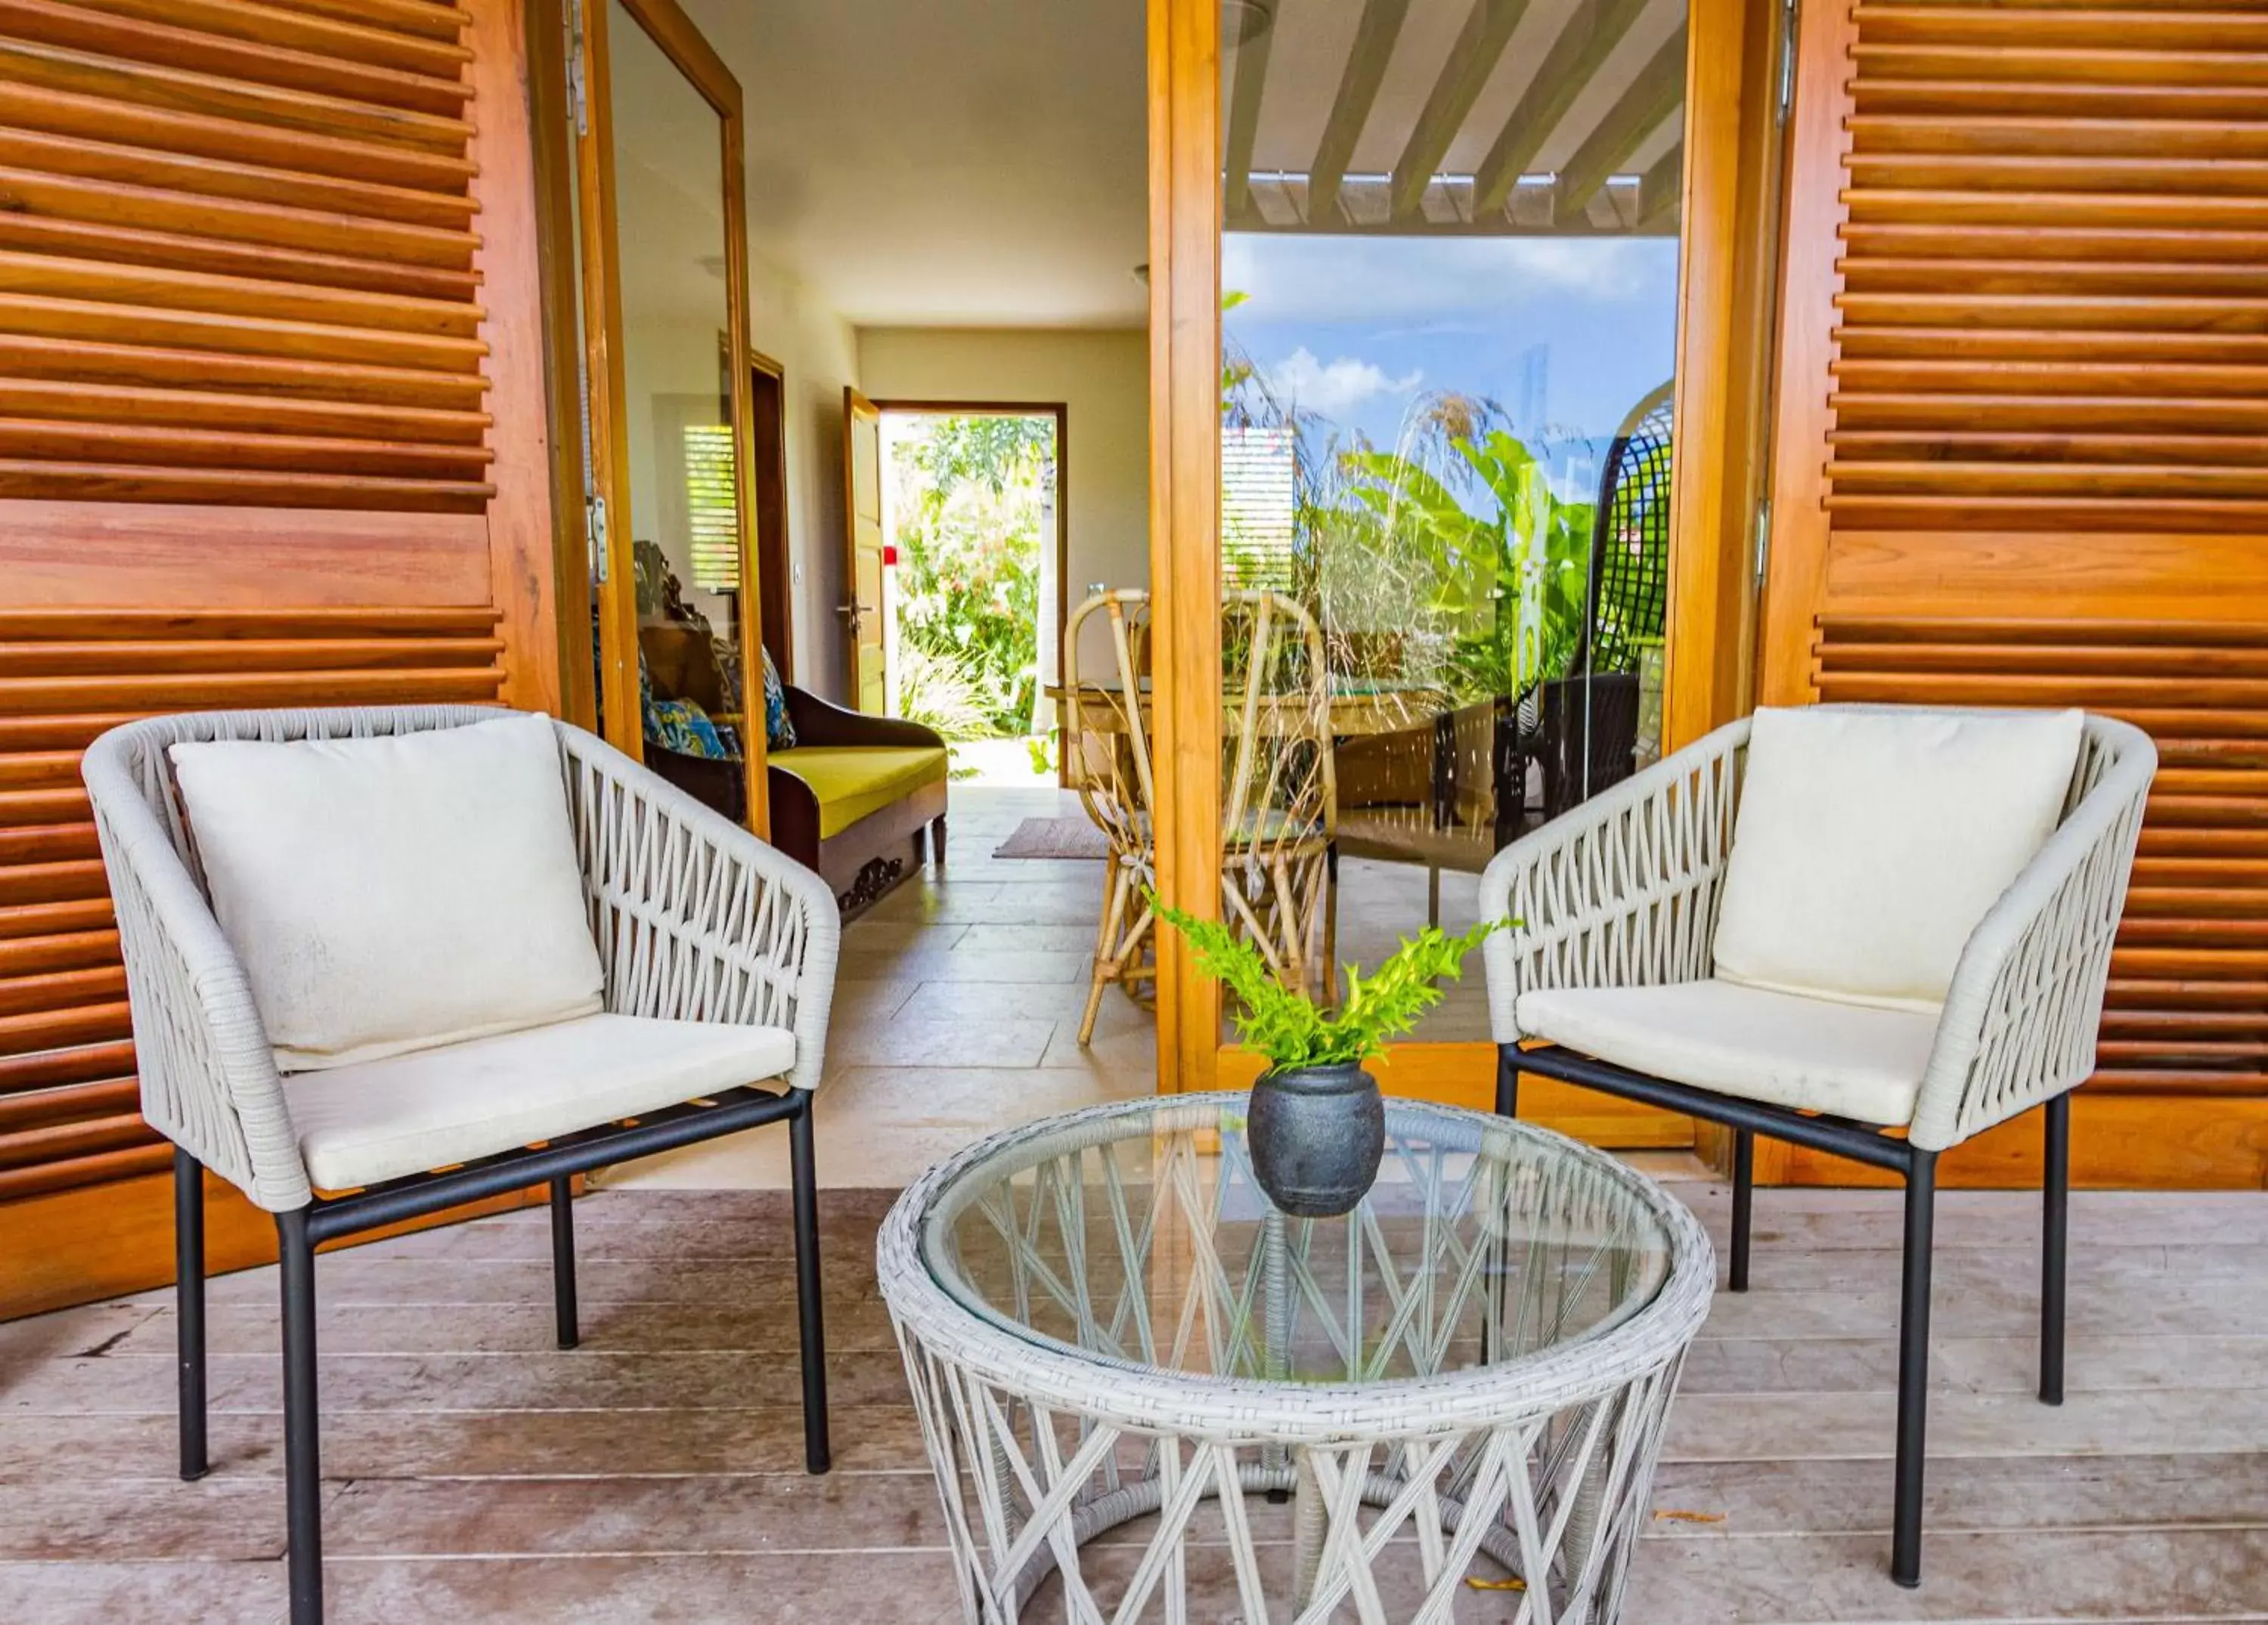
(394,893)
(1871,840)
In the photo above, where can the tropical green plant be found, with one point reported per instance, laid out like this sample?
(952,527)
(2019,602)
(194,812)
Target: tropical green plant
(1285,1025)
(1507,561)
(939,691)
(972,492)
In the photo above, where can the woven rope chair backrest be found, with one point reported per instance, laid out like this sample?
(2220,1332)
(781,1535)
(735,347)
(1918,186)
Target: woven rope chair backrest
(1105,727)
(1279,782)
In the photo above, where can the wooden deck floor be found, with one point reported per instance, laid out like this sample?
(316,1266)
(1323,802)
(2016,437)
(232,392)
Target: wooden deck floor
(653,1475)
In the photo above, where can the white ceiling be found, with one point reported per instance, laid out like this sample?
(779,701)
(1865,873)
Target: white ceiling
(931,164)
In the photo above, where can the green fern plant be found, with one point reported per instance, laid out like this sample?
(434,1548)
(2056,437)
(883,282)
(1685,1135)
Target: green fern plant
(1285,1025)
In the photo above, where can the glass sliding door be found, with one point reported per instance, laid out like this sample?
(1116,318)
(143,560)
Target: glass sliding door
(1445,534)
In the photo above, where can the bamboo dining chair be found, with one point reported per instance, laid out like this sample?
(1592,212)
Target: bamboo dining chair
(1278,800)
(1106,744)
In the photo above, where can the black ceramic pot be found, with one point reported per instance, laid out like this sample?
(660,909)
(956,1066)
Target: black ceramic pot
(1317,1135)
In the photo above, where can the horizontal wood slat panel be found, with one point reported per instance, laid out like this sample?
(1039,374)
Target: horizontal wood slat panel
(164,287)
(197,175)
(63,112)
(2055,269)
(66,1100)
(182,251)
(92,442)
(334,36)
(237,247)
(429,19)
(2188,1011)
(191,42)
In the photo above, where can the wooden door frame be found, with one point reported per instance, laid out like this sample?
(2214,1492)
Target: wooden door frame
(1060,410)
(674,33)
(1722,407)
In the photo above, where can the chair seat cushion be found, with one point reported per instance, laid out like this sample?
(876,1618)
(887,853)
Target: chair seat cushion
(396,892)
(1814,1055)
(382,1120)
(850,781)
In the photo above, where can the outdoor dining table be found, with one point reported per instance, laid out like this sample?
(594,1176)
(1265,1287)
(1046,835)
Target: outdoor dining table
(1360,708)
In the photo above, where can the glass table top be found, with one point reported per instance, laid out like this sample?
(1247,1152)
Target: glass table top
(1136,1236)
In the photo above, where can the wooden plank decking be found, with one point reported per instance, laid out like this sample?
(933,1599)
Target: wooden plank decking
(653,1473)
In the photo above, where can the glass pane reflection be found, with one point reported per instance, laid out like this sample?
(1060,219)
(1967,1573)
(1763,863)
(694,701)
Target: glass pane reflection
(683,472)
(1450,279)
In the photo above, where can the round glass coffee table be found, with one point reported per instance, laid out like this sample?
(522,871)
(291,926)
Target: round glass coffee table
(1462,1383)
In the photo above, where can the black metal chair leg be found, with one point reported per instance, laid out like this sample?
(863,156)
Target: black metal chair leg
(189,1309)
(1745,1201)
(1913,1370)
(562,1259)
(936,840)
(1507,1080)
(816,1455)
(303,1470)
(2055,1240)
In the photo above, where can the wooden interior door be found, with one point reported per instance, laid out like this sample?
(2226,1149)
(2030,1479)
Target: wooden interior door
(2021,462)
(272,433)
(862,565)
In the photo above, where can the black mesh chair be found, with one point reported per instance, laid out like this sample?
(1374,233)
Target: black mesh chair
(1582,729)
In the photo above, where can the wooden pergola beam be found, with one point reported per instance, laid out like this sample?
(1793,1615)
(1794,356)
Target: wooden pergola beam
(1374,39)
(1592,30)
(1487,29)
(1659,190)
(1247,84)
(1657,92)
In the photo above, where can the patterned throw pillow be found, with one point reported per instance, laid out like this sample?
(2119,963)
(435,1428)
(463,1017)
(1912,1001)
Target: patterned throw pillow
(680,725)
(779,731)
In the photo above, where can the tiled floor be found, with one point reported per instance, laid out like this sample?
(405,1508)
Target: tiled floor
(477,1475)
(956,1013)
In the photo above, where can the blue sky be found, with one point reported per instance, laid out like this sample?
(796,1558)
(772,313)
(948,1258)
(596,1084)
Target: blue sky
(1354,328)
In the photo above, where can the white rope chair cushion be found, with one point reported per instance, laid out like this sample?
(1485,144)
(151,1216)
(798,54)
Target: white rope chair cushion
(1871,840)
(397,892)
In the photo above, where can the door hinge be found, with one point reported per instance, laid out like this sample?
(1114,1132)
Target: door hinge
(1763,536)
(1787,16)
(578,90)
(594,527)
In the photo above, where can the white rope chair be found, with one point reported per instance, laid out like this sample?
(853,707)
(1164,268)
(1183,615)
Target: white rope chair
(698,925)
(1278,804)
(1613,967)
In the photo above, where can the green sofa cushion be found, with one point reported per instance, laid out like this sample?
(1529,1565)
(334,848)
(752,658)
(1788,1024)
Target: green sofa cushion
(851,781)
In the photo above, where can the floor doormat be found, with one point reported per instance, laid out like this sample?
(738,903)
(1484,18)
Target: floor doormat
(1055,837)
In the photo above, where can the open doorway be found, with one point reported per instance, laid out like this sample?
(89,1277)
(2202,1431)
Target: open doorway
(975,542)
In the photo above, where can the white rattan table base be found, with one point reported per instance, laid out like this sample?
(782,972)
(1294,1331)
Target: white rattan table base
(1537,1468)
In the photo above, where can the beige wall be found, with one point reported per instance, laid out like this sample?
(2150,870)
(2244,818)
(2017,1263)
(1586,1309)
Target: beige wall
(791,322)
(1101,377)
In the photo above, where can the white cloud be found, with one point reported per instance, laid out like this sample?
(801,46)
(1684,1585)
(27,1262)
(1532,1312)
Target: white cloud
(1417,280)
(1336,387)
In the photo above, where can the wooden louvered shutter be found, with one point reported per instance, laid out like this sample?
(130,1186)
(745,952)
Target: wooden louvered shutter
(2022,458)
(271,433)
